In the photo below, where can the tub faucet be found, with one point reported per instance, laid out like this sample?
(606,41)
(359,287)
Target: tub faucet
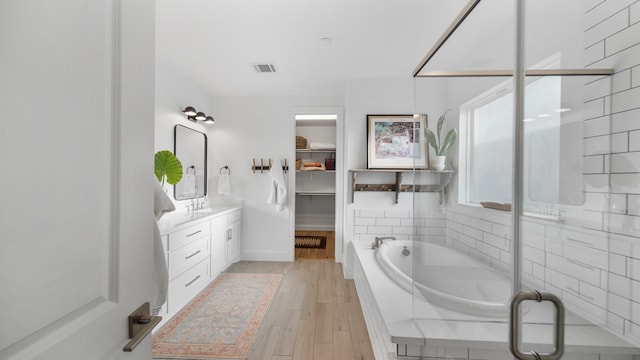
(378,241)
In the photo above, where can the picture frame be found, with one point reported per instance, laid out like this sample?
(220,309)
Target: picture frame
(397,142)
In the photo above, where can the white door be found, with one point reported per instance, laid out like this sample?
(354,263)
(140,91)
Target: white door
(76,151)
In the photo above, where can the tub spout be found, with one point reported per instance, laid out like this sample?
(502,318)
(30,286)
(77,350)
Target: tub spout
(378,241)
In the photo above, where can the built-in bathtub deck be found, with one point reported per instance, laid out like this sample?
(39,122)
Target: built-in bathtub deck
(416,328)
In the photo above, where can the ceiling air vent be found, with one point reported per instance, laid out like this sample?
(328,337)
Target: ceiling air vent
(264,68)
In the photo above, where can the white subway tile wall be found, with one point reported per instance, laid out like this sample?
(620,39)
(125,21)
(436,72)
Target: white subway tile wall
(635,13)
(634,136)
(625,121)
(401,224)
(594,53)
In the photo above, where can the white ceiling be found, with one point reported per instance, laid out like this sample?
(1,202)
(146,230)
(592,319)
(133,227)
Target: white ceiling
(215,42)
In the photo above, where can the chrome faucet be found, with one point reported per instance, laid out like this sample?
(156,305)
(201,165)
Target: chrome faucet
(378,241)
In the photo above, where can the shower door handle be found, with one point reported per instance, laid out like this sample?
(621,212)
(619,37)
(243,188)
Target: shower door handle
(514,326)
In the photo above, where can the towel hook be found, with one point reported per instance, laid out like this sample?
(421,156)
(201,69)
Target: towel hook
(191,168)
(225,168)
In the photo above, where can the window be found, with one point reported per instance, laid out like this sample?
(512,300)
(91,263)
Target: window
(486,146)
(490,150)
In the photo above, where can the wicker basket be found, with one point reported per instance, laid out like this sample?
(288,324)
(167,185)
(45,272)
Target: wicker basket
(298,163)
(301,142)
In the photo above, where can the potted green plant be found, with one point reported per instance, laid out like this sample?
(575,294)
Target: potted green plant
(441,146)
(167,167)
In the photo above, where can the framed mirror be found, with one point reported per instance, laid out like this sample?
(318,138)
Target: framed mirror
(190,146)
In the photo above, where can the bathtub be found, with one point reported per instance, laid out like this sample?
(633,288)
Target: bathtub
(407,324)
(446,278)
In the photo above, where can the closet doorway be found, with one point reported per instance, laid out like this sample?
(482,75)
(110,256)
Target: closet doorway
(316,180)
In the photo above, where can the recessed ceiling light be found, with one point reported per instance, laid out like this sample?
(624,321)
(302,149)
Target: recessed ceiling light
(544,115)
(325,41)
(528,119)
(561,110)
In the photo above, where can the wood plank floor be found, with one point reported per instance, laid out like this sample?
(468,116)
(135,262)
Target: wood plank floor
(315,314)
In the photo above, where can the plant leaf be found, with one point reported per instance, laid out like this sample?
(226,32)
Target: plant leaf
(448,142)
(167,164)
(441,122)
(431,139)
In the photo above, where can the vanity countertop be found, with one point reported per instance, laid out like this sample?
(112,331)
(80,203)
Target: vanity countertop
(178,220)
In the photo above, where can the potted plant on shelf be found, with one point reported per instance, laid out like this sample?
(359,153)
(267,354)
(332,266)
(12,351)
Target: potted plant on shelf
(167,167)
(441,146)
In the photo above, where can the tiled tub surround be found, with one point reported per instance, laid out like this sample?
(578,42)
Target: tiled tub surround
(412,327)
(593,271)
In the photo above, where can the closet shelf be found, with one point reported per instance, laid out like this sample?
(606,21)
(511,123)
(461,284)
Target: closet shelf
(316,192)
(402,171)
(445,177)
(314,151)
(315,171)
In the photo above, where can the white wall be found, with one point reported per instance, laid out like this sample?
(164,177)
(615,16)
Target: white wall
(386,96)
(382,96)
(173,92)
(250,128)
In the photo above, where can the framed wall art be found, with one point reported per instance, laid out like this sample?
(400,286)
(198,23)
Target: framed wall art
(397,142)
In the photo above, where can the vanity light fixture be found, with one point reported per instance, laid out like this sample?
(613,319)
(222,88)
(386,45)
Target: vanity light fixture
(195,116)
(189,111)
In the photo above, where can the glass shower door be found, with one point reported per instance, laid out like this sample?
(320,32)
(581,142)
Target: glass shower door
(572,244)
(461,254)
(571,234)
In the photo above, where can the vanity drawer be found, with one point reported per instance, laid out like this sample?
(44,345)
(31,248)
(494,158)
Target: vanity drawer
(186,256)
(185,236)
(183,288)
(235,216)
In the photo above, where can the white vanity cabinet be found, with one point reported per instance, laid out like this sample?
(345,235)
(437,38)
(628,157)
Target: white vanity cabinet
(225,240)
(234,236)
(198,247)
(218,244)
(187,254)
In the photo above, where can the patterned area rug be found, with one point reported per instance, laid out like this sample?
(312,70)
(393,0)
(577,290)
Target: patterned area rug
(311,242)
(221,322)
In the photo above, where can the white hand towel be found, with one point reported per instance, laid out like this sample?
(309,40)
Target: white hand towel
(278,194)
(224,185)
(161,204)
(322,146)
(189,185)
